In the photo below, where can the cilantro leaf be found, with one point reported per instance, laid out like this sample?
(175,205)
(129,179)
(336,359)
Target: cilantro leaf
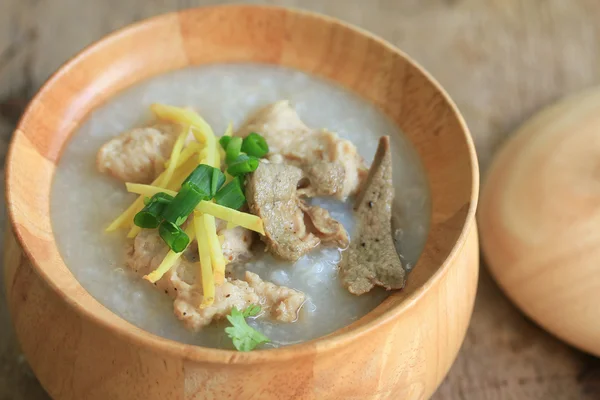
(244,337)
(251,311)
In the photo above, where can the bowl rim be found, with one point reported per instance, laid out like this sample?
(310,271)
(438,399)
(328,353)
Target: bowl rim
(337,339)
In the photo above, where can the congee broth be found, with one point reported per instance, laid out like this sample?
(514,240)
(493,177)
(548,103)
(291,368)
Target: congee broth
(273,231)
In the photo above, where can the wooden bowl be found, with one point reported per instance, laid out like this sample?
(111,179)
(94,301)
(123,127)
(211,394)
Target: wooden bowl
(540,219)
(402,350)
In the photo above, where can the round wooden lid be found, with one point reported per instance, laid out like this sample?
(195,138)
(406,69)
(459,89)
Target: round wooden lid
(539,219)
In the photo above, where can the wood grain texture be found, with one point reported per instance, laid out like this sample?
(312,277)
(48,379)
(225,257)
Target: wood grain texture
(539,219)
(404,348)
(500,60)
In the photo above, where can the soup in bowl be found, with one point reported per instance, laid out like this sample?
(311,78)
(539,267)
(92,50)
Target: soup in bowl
(241,201)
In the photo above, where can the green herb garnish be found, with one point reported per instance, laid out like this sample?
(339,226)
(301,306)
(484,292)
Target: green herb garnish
(224,141)
(243,165)
(174,236)
(151,215)
(217,181)
(251,311)
(255,145)
(233,149)
(184,203)
(204,179)
(244,337)
(231,195)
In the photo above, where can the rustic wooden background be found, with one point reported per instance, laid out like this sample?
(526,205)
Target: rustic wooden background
(501,60)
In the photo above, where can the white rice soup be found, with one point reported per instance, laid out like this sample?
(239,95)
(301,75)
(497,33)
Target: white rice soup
(85,201)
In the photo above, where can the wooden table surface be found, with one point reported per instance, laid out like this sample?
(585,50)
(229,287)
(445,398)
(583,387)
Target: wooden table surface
(501,60)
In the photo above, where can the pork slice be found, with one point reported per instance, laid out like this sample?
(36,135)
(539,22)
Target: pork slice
(138,155)
(331,165)
(237,242)
(278,123)
(280,302)
(322,224)
(271,195)
(322,178)
(232,293)
(371,258)
(147,252)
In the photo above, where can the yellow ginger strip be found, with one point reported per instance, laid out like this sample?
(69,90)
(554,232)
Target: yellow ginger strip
(206,271)
(175,155)
(190,149)
(216,250)
(200,128)
(183,172)
(213,157)
(170,259)
(184,116)
(216,159)
(245,220)
(133,232)
(127,215)
(229,130)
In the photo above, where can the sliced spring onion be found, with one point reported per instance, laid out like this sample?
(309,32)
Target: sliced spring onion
(216,250)
(255,145)
(231,195)
(224,141)
(243,165)
(233,149)
(206,179)
(245,220)
(180,174)
(217,181)
(170,259)
(216,154)
(174,236)
(183,204)
(206,271)
(200,179)
(228,132)
(147,218)
(150,216)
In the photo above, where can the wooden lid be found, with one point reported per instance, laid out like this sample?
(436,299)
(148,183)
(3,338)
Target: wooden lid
(539,219)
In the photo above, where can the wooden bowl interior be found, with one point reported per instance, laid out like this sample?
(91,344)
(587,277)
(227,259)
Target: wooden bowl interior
(327,48)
